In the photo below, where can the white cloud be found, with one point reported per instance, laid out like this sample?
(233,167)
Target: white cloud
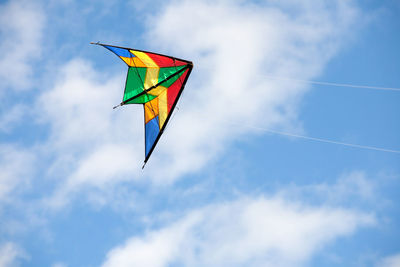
(234,46)
(78,107)
(390,261)
(16,167)
(103,163)
(9,253)
(12,116)
(21,25)
(92,144)
(354,185)
(247,232)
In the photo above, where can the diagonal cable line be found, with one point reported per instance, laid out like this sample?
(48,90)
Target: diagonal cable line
(322,139)
(335,84)
(382,88)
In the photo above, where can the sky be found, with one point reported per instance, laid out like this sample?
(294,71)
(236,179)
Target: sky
(224,186)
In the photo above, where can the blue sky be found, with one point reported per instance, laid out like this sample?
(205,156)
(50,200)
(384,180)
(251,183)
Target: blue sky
(220,189)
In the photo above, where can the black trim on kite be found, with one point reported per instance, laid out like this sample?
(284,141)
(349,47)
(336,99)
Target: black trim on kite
(144,139)
(126,82)
(190,67)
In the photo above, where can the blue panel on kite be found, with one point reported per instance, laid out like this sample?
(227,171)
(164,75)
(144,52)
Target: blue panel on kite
(152,130)
(119,51)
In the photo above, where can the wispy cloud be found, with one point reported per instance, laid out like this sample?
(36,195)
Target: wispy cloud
(356,185)
(10,253)
(16,167)
(390,261)
(21,32)
(247,232)
(11,117)
(91,143)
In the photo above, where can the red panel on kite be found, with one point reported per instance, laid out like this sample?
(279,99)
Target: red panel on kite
(163,61)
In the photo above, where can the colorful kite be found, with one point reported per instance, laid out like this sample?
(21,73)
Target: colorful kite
(156,81)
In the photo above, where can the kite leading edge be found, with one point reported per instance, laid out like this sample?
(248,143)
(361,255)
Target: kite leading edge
(156,81)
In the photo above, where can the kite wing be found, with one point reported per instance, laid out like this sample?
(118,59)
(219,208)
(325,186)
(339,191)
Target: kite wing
(156,81)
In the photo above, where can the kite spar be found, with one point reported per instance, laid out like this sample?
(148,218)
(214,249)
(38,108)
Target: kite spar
(157,82)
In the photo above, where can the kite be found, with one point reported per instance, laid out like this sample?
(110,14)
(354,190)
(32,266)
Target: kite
(156,81)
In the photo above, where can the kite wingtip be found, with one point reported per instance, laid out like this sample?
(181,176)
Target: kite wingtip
(144,164)
(118,105)
(97,43)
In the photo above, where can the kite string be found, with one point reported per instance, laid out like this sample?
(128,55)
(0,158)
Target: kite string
(381,88)
(335,84)
(323,140)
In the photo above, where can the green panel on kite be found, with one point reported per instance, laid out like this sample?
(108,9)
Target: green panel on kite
(168,71)
(163,74)
(172,80)
(134,82)
(141,99)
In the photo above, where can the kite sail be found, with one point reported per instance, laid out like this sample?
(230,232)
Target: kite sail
(156,81)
